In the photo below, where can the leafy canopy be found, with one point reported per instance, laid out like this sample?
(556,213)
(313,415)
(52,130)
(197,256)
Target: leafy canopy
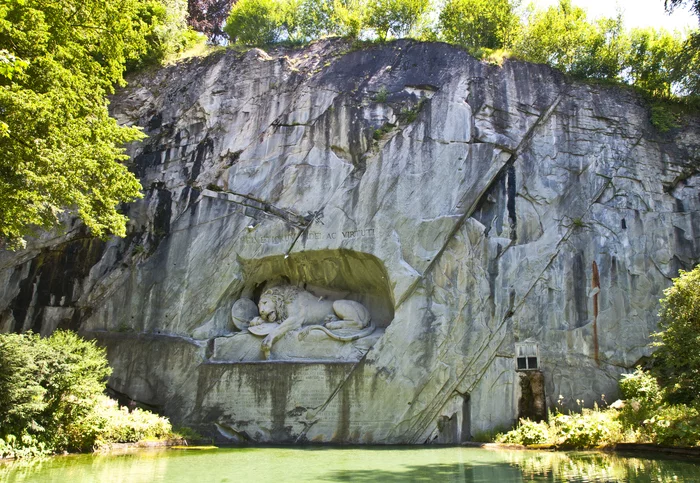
(396,17)
(262,22)
(60,149)
(651,60)
(562,37)
(479,24)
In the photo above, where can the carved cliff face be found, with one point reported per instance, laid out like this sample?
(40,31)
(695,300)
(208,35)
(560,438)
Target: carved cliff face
(470,209)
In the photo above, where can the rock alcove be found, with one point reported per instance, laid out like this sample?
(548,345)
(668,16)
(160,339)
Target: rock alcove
(349,289)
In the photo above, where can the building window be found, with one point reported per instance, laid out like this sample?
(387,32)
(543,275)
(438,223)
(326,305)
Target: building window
(527,356)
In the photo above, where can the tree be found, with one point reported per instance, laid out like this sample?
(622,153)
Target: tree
(651,60)
(677,358)
(686,70)
(478,24)
(686,66)
(208,17)
(317,18)
(61,150)
(163,26)
(46,385)
(693,5)
(256,22)
(563,37)
(395,17)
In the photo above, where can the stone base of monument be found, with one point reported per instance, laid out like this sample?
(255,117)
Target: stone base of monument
(316,347)
(277,402)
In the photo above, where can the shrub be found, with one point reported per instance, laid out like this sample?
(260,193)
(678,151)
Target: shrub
(108,423)
(641,386)
(527,432)
(51,398)
(677,359)
(674,425)
(48,384)
(587,429)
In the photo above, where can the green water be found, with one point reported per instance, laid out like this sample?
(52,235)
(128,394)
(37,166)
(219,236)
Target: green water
(381,464)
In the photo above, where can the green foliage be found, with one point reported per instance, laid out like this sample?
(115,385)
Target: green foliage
(563,37)
(60,147)
(410,114)
(686,67)
(588,429)
(395,17)
(255,22)
(527,433)
(317,18)
(644,417)
(677,358)
(46,385)
(479,24)
(651,59)
(662,117)
(51,398)
(381,95)
(673,425)
(108,423)
(650,419)
(641,386)
(661,65)
(264,22)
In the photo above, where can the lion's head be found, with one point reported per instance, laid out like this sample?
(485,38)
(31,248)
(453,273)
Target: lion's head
(274,301)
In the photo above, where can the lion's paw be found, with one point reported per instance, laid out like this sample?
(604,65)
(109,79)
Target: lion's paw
(266,347)
(256,321)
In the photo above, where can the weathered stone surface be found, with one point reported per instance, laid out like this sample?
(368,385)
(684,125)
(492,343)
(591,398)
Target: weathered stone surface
(477,207)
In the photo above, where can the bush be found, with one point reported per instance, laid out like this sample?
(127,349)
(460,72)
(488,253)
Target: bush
(641,386)
(644,418)
(51,398)
(677,358)
(48,384)
(108,423)
(527,432)
(676,425)
(588,429)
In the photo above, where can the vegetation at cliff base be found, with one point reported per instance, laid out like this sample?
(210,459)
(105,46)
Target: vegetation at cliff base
(52,398)
(677,356)
(660,406)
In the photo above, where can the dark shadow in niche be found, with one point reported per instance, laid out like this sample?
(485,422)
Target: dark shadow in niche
(332,274)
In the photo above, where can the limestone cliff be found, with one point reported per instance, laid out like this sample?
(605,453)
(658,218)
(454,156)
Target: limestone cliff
(475,210)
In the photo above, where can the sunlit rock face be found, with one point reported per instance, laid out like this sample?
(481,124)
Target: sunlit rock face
(477,212)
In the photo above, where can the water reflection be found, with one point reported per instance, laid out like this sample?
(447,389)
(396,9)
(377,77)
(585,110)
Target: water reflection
(383,464)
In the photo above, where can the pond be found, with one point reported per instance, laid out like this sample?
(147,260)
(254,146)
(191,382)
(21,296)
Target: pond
(324,464)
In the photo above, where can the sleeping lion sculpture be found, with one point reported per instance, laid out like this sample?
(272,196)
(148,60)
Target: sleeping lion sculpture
(287,308)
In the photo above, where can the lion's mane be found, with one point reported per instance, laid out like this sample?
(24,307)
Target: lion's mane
(282,296)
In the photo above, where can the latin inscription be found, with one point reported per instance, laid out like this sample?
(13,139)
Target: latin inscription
(312,235)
